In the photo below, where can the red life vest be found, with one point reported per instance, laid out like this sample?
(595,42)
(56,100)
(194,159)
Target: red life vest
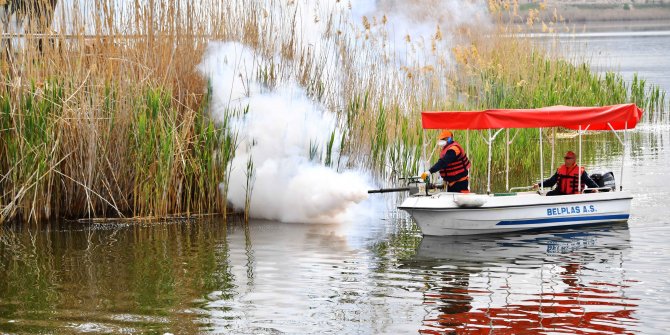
(567,179)
(458,169)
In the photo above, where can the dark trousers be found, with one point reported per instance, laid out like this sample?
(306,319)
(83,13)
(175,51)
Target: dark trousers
(555,192)
(458,186)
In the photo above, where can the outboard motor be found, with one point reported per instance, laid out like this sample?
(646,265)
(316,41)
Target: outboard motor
(605,180)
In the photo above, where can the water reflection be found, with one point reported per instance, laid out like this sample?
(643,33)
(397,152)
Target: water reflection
(269,277)
(284,272)
(552,282)
(109,278)
(182,278)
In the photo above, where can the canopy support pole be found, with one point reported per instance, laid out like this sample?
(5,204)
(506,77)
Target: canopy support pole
(467,149)
(507,159)
(424,144)
(541,164)
(553,148)
(508,143)
(579,161)
(488,182)
(615,134)
(623,156)
(490,142)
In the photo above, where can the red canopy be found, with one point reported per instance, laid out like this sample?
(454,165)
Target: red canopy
(624,116)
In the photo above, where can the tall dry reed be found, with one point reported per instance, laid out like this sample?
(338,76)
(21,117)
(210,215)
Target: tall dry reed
(110,120)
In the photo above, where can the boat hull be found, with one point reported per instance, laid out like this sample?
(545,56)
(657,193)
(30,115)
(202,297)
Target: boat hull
(441,214)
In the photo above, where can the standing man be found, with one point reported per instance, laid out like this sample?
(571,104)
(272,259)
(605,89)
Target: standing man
(453,164)
(567,177)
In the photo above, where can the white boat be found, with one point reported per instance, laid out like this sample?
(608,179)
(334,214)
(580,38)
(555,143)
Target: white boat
(444,213)
(440,213)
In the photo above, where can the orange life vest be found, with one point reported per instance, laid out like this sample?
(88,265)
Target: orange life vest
(567,179)
(458,169)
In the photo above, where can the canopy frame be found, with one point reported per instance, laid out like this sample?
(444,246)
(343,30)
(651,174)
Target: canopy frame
(622,115)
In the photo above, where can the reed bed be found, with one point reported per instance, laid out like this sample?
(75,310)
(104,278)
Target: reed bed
(112,120)
(494,68)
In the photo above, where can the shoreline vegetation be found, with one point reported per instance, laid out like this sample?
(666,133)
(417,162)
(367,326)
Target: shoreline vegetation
(594,13)
(104,125)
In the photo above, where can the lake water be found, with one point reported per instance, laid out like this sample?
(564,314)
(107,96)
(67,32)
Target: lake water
(641,52)
(377,275)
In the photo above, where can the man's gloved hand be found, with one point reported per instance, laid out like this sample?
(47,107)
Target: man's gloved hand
(424,175)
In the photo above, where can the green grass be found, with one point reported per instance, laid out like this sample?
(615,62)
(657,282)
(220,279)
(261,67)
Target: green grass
(154,160)
(528,6)
(639,5)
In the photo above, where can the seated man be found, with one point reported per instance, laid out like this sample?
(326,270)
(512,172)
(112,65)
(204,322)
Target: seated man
(567,177)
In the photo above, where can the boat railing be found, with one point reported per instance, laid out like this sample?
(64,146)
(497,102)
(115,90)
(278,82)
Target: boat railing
(520,188)
(599,189)
(588,190)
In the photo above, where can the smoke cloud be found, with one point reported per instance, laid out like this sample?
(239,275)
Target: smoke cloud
(412,26)
(284,133)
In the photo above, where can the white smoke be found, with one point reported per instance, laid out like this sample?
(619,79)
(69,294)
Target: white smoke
(285,133)
(279,133)
(412,26)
